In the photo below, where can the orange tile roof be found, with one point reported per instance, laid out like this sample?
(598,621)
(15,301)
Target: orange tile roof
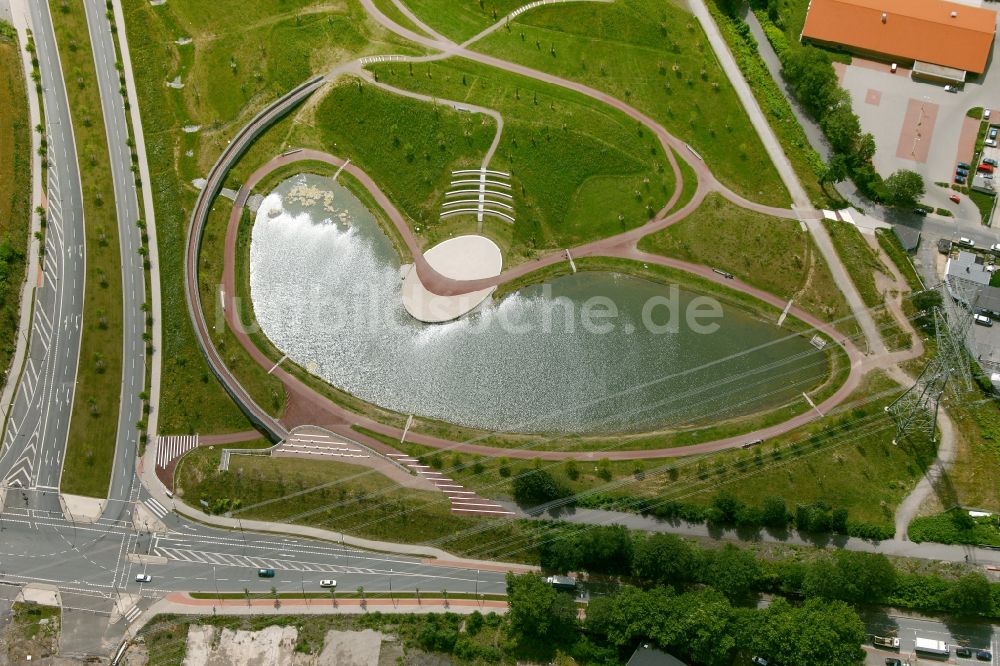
(921,30)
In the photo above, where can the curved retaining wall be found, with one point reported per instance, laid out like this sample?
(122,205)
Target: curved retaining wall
(216,177)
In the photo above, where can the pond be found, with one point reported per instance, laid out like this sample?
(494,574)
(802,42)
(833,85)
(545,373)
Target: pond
(593,352)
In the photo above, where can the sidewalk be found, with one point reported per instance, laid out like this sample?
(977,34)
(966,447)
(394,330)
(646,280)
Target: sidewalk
(22,19)
(799,197)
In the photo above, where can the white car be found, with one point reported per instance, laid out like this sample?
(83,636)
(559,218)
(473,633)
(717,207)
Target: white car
(986,114)
(966,242)
(951,89)
(995,247)
(328,582)
(143,578)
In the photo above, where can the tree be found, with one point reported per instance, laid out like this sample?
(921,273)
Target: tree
(729,7)
(538,613)
(561,555)
(810,74)
(836,170)
(817,633)
(970,595)
(607,550)
(774,513)
(842,127)
(865,149)
(664,559)
(732,571)
(536,486)
(851,576)
(905,187)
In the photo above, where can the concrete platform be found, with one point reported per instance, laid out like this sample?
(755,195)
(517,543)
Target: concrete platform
(463,258)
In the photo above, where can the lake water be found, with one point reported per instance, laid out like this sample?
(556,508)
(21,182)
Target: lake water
(325,286)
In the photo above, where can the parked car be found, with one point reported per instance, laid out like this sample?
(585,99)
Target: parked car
(992,162)
(986,114)
(964,173)
(982,319)
(985,168)
(143,578)
(966,242)
(955,198)
(328,582)
(964,165)
(265,573)
(758,661)
(993,132)
(960,180)
(963,652)
(920,211)
(995,247)
(892,661)
(992,143)
(951,89)
(984,655)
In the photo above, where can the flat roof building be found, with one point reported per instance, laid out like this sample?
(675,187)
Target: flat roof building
(944,35)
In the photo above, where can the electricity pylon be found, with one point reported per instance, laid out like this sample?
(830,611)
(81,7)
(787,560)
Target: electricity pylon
(916,409)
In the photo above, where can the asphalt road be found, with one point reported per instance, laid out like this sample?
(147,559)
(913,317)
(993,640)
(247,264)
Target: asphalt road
(34,441)
(129,237)
(93,560)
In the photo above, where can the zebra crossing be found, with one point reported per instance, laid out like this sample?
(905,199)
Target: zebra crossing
(171,447)
(462,501)
(132,614)
(158,509)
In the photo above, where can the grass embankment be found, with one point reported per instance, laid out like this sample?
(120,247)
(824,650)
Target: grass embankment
(845,460)
(15,192)
(33,632)
(93,429)
(581,170)
(789,16)
(460,21)
(655,57)
(243,55)
(266,390)
(348,498)
(862,263)
(766,252)
(776,108)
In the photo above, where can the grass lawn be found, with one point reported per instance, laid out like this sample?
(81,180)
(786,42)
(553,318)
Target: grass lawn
(655,57)
(94,426)
(15,192)
(770,253)
(356,500)
(276,44)
(985,203)
(581,170)
(862,263)
(974,478)
(460,20)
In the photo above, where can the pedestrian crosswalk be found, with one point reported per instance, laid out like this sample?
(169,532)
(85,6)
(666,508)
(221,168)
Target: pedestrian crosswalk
(170,448)
(369,60)
(307,443)
(158,510)
(132,614)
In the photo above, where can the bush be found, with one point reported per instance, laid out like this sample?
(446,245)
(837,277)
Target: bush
(535,487)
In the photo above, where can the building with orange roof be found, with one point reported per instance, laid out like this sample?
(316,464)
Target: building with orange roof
(941,40)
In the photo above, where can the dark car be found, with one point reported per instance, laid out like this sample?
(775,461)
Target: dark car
(960,180)
(962,172)
(992,162)
(963,652)
(265,573)
(993,132)
(964,165)
(892,661)
(984,655)
(920,211)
